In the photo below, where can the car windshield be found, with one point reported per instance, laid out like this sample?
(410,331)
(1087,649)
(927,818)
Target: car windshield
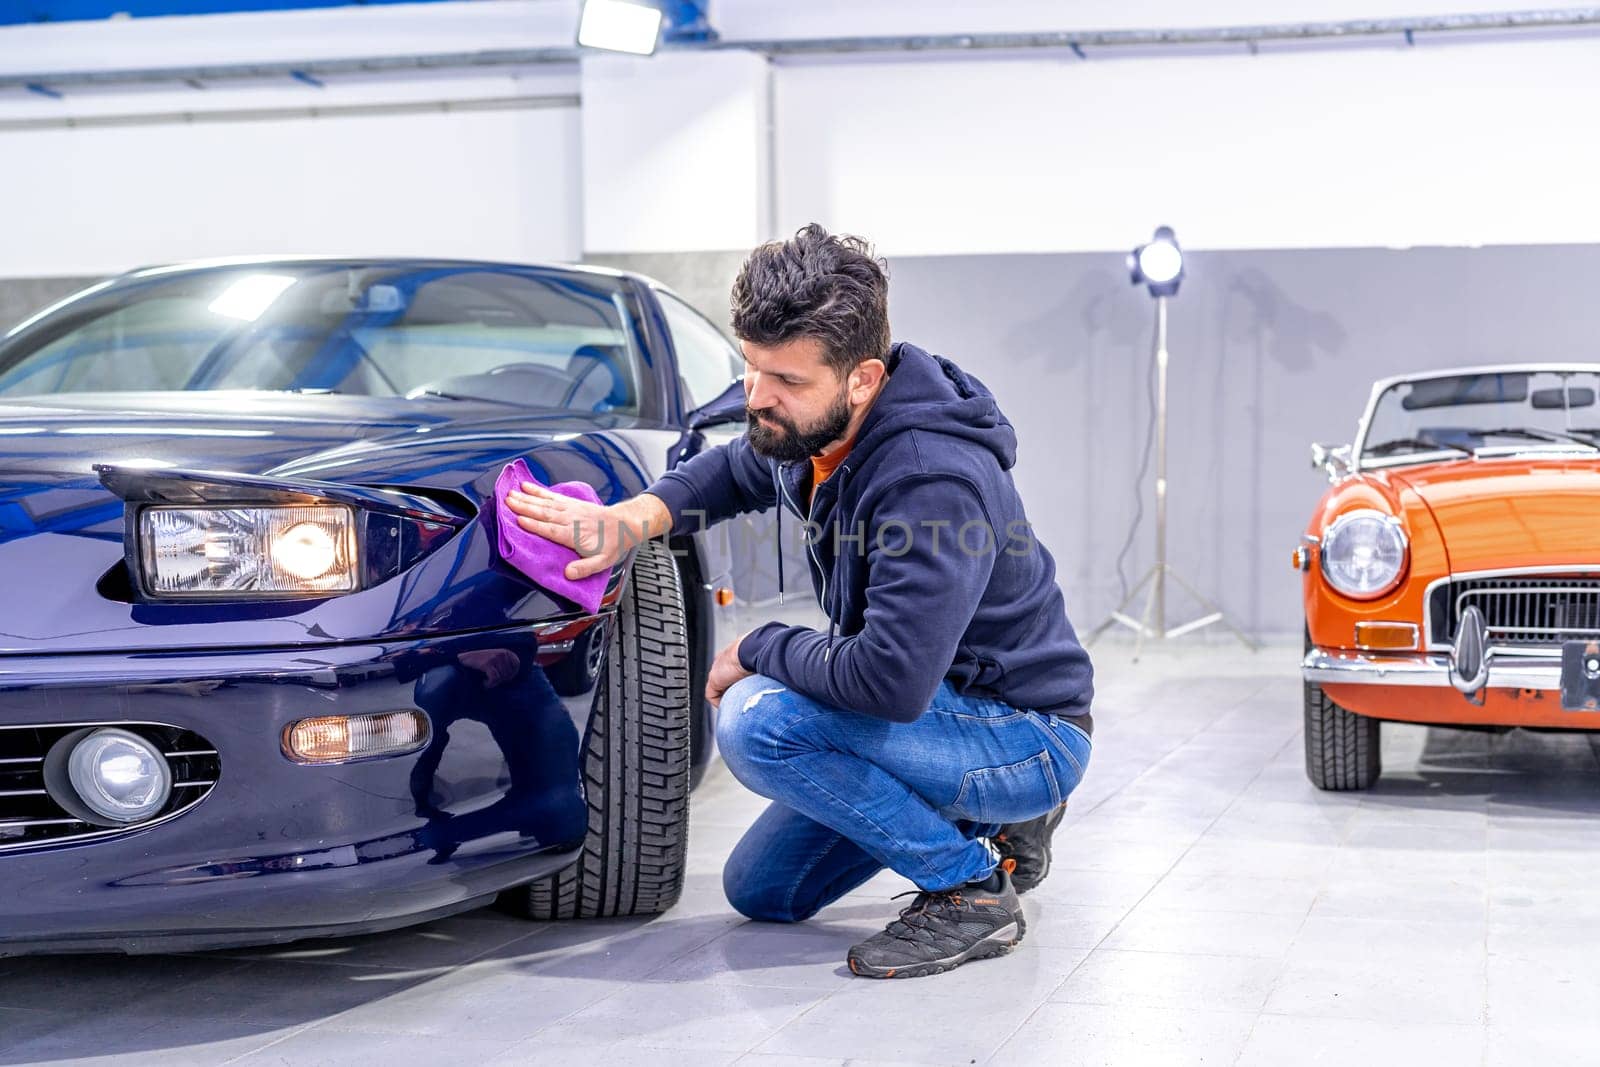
(512,335)
(1467,414)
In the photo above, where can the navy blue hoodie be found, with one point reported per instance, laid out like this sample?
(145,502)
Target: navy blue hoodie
(924,562)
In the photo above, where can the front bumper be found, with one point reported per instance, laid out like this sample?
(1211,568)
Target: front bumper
(1326,667)
(280,850)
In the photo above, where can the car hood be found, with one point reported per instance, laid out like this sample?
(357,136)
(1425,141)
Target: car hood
(1503,514)
(61,531)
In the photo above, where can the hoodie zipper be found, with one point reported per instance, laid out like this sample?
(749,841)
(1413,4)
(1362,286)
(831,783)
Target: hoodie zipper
(811,548)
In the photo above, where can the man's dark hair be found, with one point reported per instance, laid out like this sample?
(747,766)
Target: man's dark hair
(816,284)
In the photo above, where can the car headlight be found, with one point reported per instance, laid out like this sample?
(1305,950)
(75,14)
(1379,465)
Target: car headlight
(1363,553)
(283,551)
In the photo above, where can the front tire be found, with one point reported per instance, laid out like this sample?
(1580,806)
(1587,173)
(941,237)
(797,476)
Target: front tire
(1342,748)
(636,763)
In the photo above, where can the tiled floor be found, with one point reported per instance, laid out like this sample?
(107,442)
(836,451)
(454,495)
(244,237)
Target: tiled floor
(1207,906)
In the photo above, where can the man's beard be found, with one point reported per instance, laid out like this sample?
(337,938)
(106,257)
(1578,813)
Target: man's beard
(776,437)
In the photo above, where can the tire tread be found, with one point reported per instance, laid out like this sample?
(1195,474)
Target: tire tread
(635,766)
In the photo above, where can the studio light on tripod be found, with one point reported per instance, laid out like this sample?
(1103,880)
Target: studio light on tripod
(1158,264)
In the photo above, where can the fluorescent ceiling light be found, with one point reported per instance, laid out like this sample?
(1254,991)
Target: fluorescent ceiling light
(248,297)
(619,26)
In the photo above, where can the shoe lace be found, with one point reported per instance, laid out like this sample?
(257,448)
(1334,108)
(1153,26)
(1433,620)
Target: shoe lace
(923,910)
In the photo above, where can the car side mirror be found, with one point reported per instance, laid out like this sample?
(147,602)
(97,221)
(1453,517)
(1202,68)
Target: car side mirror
(728,407)
(1334,460)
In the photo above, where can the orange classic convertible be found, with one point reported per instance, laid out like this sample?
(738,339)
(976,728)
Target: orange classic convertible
(1452,570)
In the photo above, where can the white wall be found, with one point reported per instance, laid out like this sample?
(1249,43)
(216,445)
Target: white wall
(494,184)
(497,185)
(1450,142)
(676,152)
(1388,146)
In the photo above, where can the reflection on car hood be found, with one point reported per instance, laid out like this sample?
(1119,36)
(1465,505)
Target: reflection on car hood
(61,530)
(1498,514)
(243,432)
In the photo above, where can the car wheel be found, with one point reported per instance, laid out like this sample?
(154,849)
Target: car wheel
(579,670)
(1342,748)
(636,766)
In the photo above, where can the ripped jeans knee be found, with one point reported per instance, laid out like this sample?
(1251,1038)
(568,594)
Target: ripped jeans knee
(746,723)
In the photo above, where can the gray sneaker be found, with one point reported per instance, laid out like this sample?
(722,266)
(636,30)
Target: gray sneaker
(940,931)
(1024,848)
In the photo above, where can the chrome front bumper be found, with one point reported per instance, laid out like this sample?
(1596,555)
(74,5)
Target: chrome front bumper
(1426,669)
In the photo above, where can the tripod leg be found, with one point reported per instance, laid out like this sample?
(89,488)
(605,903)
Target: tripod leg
(1144,620)
(1117,616)
(1212,607)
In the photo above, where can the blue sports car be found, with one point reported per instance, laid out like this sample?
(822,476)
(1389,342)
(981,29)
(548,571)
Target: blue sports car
(263,673)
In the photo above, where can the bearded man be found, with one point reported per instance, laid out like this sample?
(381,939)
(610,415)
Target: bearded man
(938,725)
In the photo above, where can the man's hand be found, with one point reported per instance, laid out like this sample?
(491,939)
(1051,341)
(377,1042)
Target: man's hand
(725,670)
(598,533)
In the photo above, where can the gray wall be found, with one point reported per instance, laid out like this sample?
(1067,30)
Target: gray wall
(21,297)
(704,279)
(1270,351)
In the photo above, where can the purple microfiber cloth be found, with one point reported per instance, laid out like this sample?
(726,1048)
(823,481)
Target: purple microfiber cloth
(540,558)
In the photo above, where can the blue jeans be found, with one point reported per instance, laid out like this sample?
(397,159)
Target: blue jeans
(853,794)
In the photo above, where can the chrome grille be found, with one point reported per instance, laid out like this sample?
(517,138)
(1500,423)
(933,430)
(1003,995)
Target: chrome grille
(29,817)
(1532,611)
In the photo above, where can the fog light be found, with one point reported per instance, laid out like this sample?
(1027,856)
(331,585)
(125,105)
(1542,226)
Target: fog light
(108,777)
(1386,636)
(340,738)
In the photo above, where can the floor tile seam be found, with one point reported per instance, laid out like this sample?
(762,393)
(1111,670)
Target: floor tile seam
(1283,960)
(1196,952)
(346,965)
(417,982)
(1043,1000)
(678,959)
(275,1041)
(723,981)
(134,1003)
(1114,1003)
(1098,945)
(1481,1024)
(29,1011)
(1250,1033)
(623,986)
(1484,1001)
(1237,796)
(790,1021)
(543,928)
(1152,765)
(239,962)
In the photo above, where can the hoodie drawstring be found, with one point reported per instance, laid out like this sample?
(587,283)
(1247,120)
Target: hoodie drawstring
(827,653)
(778,486)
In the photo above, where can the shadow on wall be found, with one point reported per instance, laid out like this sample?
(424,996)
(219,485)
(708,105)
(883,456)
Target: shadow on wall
(1097,364)
(1264,336)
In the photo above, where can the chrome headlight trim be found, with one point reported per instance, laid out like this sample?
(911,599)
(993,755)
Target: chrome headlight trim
(1387,540)
(248,552)
(393,528)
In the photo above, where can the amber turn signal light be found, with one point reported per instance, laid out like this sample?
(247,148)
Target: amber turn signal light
(1386,636)
(724,596)
(341,738)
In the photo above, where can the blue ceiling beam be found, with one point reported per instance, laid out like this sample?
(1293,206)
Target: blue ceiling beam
(22,12)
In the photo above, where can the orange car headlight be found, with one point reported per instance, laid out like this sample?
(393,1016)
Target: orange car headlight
(1363,553)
